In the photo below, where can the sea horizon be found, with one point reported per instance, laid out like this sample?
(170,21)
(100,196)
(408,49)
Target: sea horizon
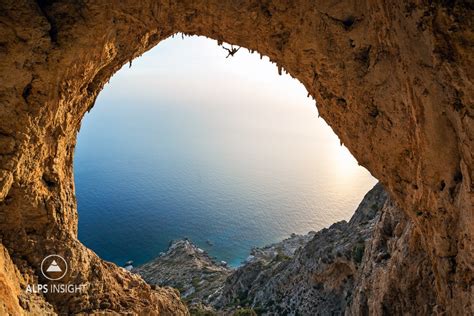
(241,160)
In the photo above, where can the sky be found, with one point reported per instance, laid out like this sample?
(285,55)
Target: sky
(196,70)
(193,79)
(187,142)
(182,73)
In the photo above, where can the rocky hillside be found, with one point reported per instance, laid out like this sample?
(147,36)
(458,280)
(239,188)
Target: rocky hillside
(317,279)
(393,79)
(305,275)
(189,269)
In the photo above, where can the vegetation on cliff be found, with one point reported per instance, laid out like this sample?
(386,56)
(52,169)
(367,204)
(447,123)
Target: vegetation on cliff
(303,274)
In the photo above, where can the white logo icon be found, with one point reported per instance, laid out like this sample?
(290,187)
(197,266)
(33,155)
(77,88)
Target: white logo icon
(56,267)
(53,267)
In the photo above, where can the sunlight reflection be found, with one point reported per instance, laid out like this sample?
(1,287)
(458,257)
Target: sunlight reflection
(227,148)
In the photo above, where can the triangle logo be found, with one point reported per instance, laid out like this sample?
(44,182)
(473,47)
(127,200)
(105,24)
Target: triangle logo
(53,267)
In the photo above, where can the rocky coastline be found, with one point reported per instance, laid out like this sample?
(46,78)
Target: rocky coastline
(307,274)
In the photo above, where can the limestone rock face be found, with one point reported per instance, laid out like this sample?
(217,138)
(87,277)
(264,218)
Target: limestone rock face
(316,273)
(392,78)
(13,301)
(353,268)
(319,277)
(395,251)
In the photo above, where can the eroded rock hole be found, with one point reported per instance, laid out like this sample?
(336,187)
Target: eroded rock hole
(223,168)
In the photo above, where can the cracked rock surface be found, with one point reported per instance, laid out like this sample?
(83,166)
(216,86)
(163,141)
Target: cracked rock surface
(392,78)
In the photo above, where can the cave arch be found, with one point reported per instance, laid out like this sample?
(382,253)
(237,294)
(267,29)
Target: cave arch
(391,79)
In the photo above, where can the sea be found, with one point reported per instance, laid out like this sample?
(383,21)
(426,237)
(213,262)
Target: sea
(187,143)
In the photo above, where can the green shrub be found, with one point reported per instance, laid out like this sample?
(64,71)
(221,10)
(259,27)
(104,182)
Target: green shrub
(358,252)
(281,257)
(196,311)
(245,312)
(195,282)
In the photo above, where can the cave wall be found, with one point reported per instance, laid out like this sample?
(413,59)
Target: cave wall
(393,79)
(386,283)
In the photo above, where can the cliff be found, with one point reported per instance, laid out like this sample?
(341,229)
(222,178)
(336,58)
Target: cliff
(318,278)
(326,272)
(188,268)
(393,79)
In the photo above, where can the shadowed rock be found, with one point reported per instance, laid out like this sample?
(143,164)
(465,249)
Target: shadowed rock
(393,79)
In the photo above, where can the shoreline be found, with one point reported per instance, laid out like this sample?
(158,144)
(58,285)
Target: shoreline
(297,271)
